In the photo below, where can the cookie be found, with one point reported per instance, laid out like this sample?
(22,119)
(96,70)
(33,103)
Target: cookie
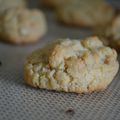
(87,13)
(7,4)
(21,26)
(112,33)
(72,66)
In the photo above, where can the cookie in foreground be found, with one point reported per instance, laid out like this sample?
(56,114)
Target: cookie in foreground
(20,26)
(80,66)
(87,13)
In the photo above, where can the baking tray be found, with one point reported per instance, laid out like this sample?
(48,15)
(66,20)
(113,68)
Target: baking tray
(19,101)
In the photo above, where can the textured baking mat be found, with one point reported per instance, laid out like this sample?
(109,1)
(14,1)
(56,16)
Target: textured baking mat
(21,102)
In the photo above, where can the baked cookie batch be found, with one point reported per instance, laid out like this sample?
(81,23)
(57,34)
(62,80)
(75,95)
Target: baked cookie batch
(80,66)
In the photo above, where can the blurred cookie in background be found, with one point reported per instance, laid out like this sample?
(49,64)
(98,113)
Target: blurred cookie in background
(87,13)
(20,26)
(111,34)
(7,4)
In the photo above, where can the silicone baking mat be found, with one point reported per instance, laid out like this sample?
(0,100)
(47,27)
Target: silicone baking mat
(21,102)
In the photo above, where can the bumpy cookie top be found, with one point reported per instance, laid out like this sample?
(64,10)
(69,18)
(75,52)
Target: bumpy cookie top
(88,51)
(22,24)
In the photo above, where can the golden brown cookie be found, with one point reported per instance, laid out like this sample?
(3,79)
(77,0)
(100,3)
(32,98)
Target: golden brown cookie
(72,66)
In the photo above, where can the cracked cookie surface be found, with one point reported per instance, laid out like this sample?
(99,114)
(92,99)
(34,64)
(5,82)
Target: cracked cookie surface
(72,66)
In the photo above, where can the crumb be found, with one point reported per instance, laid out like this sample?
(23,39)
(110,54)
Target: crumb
(70,111)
